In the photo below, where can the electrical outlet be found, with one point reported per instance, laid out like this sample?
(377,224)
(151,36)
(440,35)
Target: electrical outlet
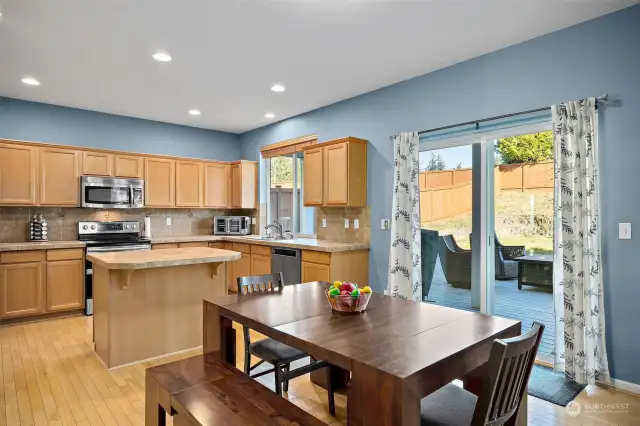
(168,221)
(624,231)
(254,221)
(356,224)
(324,222)
(346,224)
(384,224)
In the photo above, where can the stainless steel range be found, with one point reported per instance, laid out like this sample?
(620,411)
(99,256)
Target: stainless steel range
(103,237)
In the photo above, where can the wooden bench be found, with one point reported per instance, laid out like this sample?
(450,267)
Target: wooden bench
(205,390)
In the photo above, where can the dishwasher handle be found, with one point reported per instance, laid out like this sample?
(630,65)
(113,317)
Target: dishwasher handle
(285,252)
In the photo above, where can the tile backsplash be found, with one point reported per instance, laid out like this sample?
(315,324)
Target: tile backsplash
(335,230)
(63,222)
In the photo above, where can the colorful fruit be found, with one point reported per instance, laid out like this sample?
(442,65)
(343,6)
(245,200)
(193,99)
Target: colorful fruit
(366,289)
(346,287)
(337,284)
(355,292)
(345,293)
(334,292)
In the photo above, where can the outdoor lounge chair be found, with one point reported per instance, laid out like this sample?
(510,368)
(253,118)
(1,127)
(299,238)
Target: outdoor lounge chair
(506,267)
(456,262)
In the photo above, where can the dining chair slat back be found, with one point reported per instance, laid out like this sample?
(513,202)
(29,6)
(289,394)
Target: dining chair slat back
(260,283)
(508,371)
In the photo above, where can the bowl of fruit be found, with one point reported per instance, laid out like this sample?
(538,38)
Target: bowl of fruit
(348,297)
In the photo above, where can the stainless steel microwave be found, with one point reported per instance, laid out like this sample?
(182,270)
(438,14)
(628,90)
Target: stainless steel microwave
(232,225)
(112,193)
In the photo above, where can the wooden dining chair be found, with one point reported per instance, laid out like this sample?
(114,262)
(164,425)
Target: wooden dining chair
(503,387)
(273,352)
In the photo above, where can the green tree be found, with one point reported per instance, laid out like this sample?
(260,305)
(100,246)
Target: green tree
(525,148)
(436,163)
(459,166)
(281,170)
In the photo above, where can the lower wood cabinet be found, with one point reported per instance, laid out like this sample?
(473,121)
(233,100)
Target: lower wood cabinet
(65,285)
(38,282)
(194,244)
(315,272)
(241,268)
(343,266)
(21,286)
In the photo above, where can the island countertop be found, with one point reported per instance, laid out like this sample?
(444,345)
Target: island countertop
(162,258)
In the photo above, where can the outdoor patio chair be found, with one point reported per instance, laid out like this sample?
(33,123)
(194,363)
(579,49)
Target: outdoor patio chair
(429,253)
(456,262)
(506,267)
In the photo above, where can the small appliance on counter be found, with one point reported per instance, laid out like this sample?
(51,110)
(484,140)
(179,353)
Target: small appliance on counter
(104,237)
(231,225)
(38,228)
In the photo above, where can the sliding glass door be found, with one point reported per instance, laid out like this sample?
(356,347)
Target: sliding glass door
(489,196)
(454,214)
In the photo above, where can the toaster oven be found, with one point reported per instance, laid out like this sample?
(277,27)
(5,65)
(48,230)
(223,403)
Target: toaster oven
(231,225)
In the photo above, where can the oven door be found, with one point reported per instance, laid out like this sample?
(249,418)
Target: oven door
(112,193)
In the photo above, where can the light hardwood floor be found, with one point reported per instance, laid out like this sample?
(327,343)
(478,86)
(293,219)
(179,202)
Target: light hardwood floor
(50,376)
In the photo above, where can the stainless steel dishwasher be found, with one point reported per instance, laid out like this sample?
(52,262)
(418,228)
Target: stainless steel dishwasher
(287,261)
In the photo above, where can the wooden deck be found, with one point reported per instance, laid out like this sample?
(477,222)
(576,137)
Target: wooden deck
(526,305)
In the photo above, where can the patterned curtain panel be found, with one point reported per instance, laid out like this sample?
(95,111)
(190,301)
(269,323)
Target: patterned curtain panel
(577,263)
(405,267)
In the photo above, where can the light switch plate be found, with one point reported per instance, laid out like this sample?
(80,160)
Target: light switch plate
(624,231)
(254,221)
(356,224)
(384,224)
(168,221)
(346,224)
(324,222)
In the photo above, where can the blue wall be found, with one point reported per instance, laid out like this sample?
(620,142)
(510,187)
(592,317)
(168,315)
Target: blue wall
(37,122)
(585,60)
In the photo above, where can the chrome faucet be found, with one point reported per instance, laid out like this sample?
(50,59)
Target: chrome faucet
(280,233)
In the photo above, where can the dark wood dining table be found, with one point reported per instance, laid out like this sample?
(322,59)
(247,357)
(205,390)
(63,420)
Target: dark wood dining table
(397,352)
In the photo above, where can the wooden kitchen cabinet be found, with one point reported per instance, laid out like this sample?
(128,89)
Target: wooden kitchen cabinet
(189,191)
(65,285)
(343,266)
(244,177)
(59,177)
(313,176)
(216,185)
(194,244)
(128,166)
(260,260)
(97,163)
(232,283)
(159,188)
(21,289)
(163,246)
(18,174)
(335,173)
(241,268)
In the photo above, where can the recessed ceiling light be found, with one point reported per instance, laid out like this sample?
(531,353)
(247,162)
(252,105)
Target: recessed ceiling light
(278,88)
(30,81)
(270,115)
(162,57)
(194,112)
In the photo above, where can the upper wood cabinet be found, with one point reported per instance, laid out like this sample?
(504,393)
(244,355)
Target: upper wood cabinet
(97,163)
(128,166)
(59,177)
(216,185)
(335,173)
(159,189)
(18,166)
(189,191)
(313,176)
(244,177)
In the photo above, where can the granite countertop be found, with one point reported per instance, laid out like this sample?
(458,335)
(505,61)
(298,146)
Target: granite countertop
(162,258)
(45,245)
(299,243)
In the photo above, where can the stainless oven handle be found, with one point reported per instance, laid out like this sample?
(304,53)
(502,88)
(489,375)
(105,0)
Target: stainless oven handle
(139,247)
(130,194)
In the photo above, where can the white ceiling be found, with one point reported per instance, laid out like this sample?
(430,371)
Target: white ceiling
(96,55)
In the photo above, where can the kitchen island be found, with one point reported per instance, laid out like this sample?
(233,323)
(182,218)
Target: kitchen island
(148,304)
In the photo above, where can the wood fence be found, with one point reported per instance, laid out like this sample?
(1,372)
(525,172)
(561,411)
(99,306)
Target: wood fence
(447,193)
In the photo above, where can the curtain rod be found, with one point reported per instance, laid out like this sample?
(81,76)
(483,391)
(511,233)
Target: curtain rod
(599,99)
